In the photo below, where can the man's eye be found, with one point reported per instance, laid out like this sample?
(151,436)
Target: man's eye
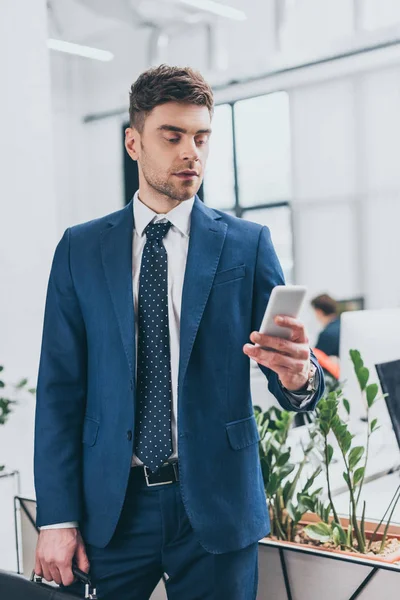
(174,140)
(201,142)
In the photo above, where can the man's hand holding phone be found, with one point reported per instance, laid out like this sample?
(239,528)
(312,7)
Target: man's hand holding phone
(282,343)
(289,358)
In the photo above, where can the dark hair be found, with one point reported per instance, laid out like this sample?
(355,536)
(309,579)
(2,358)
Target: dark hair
(163,84)
(325,303)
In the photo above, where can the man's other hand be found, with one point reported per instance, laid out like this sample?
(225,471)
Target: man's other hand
(55,551)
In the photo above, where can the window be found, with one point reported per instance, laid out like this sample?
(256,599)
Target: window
(263,149)
(379,14)
(219,180)
(278,220)
(249,170)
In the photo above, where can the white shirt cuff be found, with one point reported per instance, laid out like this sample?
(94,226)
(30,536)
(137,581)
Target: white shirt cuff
(66,525)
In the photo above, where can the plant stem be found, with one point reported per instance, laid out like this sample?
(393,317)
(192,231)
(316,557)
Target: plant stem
(372,538)
(296,479)
(279,532)
(387,525)
(360,540)
(366,455)
(329,482)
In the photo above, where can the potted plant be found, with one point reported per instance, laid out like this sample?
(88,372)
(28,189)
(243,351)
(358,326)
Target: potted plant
(7,402)
(299,495)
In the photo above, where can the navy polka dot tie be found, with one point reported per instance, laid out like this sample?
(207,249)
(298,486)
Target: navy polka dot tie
(153,438)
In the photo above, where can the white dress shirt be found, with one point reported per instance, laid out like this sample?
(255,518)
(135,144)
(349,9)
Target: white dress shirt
(176,243)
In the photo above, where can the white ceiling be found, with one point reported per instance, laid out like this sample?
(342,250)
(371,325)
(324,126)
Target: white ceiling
(80,20)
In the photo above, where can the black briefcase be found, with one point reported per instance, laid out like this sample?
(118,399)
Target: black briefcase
(16,587)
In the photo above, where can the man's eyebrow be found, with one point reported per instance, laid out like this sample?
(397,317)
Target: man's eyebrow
(180,129)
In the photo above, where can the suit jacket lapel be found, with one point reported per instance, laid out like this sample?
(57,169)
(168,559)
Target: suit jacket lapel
(207,235)
(116,250)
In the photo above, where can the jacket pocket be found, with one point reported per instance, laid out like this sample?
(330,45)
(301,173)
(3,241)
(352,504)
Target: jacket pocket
(243,433)
(230,274)
(90,431)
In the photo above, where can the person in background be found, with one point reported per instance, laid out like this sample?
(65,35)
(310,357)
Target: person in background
(326,311)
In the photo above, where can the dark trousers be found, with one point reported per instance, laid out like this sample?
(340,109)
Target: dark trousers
(154,537)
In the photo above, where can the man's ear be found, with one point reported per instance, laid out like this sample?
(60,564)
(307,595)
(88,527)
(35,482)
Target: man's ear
(132,142)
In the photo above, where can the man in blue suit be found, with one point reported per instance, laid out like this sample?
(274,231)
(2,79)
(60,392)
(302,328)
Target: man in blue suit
(146,446)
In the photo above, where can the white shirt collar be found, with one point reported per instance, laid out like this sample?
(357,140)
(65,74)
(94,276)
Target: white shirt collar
(178,216)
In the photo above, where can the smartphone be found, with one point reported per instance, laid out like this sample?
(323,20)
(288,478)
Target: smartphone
(284,300)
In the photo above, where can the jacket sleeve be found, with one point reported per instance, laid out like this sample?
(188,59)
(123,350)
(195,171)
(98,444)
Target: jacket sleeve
(268,274)
(61,397)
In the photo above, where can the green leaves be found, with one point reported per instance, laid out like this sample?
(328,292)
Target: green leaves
(374,425)
(22,383)
(372,392)
(272,485)
(347,479)
(327,532)
(291,486)
(358,476)
(362,372)
(358,362)
(295,513)
(342,434)
(346,405)
(319,531)
(339,536)
(283,459)
(323,511)
(329,454)
(363,376)
(355,456)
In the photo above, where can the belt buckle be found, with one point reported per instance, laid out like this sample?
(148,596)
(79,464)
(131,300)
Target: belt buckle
(146,474)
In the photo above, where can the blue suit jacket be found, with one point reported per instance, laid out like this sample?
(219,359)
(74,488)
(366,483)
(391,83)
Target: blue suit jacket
(86,388)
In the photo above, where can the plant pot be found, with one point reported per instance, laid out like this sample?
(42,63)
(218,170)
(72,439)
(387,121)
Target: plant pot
(307,572)
(393,533)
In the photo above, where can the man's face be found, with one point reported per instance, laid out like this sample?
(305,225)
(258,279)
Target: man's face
(172,149)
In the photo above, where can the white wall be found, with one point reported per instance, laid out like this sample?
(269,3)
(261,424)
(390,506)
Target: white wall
(27,227)
(345,136)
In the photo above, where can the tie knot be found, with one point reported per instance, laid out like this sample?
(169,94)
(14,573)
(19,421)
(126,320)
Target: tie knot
(156,231)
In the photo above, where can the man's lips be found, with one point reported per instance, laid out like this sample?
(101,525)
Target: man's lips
(187,174)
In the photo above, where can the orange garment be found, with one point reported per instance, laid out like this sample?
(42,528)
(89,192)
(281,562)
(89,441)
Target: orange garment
(327,363)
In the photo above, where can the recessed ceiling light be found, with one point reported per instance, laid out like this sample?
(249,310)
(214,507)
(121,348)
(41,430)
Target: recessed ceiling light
(78,50)
(217,8)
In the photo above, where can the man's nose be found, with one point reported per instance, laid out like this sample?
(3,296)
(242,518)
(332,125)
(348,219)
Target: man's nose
(190,151)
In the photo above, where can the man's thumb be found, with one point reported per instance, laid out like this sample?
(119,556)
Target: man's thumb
(82,561)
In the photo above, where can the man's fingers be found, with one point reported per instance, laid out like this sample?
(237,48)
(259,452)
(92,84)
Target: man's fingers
(82,560)
(46,572)
(297,327)
(295,350)
(55,573)
(67,576)
(38,567)
(273,360)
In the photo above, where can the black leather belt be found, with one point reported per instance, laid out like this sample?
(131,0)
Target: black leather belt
(168,473)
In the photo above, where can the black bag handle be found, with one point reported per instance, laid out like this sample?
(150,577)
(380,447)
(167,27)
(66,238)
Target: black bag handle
(80,575)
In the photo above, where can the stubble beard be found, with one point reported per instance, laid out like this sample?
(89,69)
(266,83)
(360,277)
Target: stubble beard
(183,190)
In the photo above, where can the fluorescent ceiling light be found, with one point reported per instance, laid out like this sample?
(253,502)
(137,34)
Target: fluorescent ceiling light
(78,50)
(217,8)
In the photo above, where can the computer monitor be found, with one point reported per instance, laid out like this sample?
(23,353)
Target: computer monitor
(389,376)
(376,334)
